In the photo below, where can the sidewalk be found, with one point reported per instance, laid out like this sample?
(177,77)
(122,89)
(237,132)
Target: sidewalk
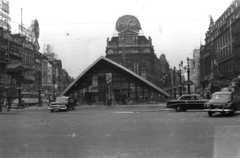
(102,107)
(13,110)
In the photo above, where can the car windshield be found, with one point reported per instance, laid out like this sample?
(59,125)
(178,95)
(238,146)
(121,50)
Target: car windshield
(61,99)
(221,96)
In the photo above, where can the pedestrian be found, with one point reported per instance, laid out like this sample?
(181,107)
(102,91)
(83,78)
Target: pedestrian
(208,95)
(8,103)
(1,105)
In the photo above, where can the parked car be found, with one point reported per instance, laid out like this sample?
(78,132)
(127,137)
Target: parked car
(14,104)
(62,103)
(223,102)
(187,101)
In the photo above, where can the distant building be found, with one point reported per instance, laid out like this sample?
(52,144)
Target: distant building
(195,72)
(134,51)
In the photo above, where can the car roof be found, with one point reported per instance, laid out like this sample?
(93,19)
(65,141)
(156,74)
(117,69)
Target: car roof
(64,97)
(190,95)
(223,92)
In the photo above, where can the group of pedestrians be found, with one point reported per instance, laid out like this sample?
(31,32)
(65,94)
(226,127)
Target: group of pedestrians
(5,103)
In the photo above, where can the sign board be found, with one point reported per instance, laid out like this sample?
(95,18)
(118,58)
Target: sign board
(128,22)
(109,77)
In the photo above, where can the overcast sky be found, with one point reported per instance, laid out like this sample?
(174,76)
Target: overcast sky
(78,29)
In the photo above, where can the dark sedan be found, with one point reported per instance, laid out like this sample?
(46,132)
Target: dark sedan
(187,101)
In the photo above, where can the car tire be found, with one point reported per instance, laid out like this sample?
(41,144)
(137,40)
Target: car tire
(52,110)
(232,112)
(210,113)
(178,109)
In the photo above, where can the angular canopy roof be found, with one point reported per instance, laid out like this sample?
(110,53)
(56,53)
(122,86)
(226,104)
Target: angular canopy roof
(96,64)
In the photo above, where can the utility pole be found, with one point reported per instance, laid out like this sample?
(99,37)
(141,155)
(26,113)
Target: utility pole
(53,80)
(174,82)
(39,90)
(188,75)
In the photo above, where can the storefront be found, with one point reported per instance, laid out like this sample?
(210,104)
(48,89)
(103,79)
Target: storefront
(106,81)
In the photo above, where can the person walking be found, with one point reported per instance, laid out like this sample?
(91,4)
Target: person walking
(1,105)
(8,103)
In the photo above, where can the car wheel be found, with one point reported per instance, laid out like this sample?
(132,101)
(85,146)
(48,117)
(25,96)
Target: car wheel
(178,109)
(52,110)
(210,113)
(232,112)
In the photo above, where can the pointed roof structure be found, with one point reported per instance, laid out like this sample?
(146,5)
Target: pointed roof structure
(211,22)
(103,62)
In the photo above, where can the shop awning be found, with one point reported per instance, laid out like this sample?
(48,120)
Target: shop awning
(18,67)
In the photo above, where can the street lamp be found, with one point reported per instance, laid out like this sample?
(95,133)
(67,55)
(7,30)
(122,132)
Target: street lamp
(39,90)
(174,82)
(180,72)
(187,68)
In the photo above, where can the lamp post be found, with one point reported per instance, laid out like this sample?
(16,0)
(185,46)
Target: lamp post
(187,69)
(180,80)
(39,90)
(180,72)
(188,75)
(174,82)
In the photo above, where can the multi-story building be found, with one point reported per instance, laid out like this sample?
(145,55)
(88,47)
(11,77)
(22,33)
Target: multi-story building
(195,71)
(134,51)
(219,57)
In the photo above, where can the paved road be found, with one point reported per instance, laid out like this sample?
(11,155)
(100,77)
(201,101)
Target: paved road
(144,131)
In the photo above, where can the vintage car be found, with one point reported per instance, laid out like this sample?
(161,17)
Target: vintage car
(187,101)
(15,105)
(223,102)
(62,103)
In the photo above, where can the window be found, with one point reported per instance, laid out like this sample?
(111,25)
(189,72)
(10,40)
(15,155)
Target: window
(143,73)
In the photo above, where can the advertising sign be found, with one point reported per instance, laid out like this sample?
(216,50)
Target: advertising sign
(128,22)
(109,77)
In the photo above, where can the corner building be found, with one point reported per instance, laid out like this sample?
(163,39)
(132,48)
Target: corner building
(219,57)
(134,51)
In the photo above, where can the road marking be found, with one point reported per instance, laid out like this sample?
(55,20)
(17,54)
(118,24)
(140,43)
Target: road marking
(123,112)
(194,114)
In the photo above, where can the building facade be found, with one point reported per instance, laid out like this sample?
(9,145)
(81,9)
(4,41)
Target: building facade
(219,57)
(134,51)
(195,71)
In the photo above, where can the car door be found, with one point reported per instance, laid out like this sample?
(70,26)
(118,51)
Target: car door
(199,103)
(190,102)
(194,102)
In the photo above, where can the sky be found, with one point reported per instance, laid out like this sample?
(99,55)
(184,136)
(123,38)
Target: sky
(78,29)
